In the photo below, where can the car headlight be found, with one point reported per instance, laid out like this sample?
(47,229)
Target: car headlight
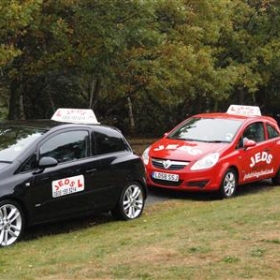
(145,156)
(206,162)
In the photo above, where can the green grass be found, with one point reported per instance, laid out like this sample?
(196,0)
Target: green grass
(188,238)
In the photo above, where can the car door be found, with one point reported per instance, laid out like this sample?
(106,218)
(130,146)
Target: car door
(273,140)
(109,148)
(62,190)
(256,161)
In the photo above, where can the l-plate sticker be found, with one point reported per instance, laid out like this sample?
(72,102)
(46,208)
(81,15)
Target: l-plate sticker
(68,186)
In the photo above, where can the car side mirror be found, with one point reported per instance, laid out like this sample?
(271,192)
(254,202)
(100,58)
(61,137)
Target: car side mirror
(247,143)
(45,162)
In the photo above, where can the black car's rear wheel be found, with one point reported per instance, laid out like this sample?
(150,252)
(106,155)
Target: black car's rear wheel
(11,222)
(276,178)
(131,202)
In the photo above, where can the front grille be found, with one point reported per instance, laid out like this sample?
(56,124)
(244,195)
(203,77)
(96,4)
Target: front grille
(200,184)
(167,183)
(169,164)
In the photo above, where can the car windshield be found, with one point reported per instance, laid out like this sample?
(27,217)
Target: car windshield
(207,130)
(14,140)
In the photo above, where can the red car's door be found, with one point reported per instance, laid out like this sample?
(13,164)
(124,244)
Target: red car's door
(257,161)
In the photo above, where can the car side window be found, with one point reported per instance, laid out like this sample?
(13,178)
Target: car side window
(29,164)
(105,143)
(272,132)
(66,146)
(255,132)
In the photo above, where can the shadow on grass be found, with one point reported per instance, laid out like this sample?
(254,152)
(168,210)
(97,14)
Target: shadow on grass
(261,186)
(155,196)
(158,195)
(66,226)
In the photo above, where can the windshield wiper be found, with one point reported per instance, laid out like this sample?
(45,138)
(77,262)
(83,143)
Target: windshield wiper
(218,141)
(5,161)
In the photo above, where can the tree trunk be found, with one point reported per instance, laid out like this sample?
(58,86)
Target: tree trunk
(94,89)
(131,117)
(14,101)
(241,96)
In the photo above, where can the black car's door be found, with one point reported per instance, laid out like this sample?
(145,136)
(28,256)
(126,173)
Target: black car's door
(85,178)
(66,189)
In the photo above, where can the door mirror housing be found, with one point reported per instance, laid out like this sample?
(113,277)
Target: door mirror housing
(45,162)
(247,143)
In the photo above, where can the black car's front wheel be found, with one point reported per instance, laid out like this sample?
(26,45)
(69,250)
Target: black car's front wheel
(131,202)
(11,222)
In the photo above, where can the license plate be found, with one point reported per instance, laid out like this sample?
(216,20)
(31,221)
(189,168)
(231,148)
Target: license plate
(165,176)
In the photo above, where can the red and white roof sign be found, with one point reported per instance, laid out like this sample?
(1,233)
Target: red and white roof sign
(80,116)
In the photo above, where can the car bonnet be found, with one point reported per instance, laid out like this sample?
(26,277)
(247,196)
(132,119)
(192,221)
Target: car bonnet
(183,150)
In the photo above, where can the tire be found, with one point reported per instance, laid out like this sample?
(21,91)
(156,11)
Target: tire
(276,178)
(11,222)
(131,203)
(229,184)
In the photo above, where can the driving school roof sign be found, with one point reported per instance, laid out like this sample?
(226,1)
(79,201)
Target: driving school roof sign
(244,110)
(78,116)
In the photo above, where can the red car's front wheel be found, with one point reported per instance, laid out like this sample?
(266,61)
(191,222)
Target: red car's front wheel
(229,184)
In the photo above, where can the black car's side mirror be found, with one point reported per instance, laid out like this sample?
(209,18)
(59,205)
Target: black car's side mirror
(45,162)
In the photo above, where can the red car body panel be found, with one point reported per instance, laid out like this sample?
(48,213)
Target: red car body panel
(172,159)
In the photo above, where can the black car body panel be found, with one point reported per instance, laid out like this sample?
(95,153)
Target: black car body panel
(95,158)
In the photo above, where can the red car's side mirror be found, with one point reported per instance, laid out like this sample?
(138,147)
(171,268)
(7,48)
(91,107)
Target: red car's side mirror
(247,143)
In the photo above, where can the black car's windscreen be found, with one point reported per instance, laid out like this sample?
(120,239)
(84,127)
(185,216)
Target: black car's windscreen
(14,140)
(207,130)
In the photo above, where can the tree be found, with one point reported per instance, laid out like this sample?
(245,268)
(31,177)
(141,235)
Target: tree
(15,16)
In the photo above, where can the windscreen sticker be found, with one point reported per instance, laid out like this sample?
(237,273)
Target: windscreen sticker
(188,149)
(68,186)
(229,137)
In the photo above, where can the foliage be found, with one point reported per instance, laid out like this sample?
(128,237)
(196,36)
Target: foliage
(149,62)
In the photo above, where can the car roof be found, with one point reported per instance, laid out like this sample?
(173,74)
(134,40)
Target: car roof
(242,118)
(43,123)
(62,116)
(46,125)
(223,116)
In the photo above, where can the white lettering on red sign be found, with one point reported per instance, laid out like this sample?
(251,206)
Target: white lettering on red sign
(261,157)
(257,174)
(244,110)
(68,186)
(188,149)
(75,116)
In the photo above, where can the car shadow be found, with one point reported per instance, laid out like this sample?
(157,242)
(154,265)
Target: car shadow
(256,187)
(158,195)
(155,196)
(66,226)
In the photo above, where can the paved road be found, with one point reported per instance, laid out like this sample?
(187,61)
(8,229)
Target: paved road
(160,195)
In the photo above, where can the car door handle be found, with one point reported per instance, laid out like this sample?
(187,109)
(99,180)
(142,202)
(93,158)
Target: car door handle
(90,170)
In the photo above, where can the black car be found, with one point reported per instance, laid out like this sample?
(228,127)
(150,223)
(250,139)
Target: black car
(51,171)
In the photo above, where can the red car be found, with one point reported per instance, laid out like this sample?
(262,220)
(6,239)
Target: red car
(216,152)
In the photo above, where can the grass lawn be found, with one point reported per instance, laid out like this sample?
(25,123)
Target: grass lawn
(183,238)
